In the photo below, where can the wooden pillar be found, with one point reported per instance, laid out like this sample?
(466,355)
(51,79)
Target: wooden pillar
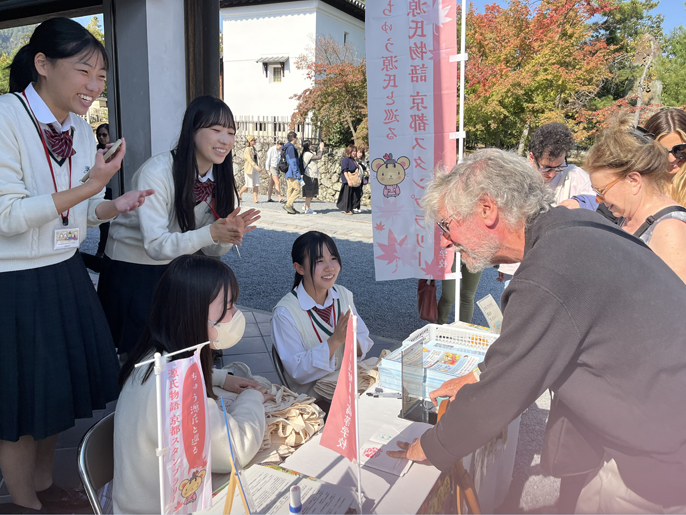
(201,20)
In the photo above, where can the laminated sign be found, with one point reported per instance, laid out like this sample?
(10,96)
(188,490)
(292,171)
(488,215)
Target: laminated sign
(412,99)
(187,467)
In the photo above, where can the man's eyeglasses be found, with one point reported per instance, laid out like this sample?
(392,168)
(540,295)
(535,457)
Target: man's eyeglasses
(678,151)
(444,225)
(550,169)
(600,192)
(642,134)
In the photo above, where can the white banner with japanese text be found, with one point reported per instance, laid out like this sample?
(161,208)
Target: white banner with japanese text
(412,99)
(187,465)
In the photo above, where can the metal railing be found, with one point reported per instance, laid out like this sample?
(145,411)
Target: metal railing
(269,129)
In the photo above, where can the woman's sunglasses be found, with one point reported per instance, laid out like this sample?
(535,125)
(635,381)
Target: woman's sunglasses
(678,151)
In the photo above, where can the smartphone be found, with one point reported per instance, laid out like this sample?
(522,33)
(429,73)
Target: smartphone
(113,149)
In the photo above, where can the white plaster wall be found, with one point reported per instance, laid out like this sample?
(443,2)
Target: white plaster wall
(282,29)
(167,64)
(331,21)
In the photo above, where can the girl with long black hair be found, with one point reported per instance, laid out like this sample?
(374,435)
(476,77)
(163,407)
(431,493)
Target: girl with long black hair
(56,361)
(194,302)
(194,210)
(310,321)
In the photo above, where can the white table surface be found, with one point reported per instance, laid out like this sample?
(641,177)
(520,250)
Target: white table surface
(385,493)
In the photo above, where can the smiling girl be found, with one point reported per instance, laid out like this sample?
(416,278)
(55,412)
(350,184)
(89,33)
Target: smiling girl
(194,210)
(310,322)
(56,359)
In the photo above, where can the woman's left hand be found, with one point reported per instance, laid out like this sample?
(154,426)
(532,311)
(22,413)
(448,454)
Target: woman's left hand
(131,200)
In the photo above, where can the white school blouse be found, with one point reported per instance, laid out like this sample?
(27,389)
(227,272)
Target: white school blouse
(28,216)
(151,235)
(305,363)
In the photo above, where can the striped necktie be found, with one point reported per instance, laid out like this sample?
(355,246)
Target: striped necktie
(324,313)
(60,143)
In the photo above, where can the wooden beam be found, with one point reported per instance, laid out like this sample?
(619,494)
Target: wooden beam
(201,21)
(11,16)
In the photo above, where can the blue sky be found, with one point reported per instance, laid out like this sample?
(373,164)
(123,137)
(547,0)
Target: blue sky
(674,12)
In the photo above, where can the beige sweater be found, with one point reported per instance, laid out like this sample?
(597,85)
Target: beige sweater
(151,235)
(28,216)
(136,487)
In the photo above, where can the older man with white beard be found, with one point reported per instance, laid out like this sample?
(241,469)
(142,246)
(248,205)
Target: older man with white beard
(591,314)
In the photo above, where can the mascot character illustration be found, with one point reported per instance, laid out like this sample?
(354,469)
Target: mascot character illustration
(188,487)
(390,172)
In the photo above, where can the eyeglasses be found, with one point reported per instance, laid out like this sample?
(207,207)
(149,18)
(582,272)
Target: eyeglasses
(444,225)
(551,169)
(600,192)
(678,151)
(642,134)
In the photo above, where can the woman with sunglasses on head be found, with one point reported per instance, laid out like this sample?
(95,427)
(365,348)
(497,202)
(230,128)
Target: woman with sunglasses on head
(195,301)
(669,128)
(628,170)
(195,209)
(56,358)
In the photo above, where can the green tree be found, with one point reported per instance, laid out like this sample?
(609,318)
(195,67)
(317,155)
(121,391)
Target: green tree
(94,28)
(5,61)
(338,97)
(672,68)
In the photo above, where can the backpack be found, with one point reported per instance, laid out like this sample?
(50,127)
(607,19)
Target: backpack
(282,166)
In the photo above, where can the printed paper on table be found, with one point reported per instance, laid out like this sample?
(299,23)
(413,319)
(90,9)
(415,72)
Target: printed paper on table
(339,430)
(187,466)
(412,97)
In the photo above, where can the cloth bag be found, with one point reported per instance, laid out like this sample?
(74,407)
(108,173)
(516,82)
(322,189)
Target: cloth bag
(353,179)
(367,375)
(427,305)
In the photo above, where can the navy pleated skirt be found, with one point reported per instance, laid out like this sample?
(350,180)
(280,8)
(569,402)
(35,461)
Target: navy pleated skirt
(57,361)
(126,291)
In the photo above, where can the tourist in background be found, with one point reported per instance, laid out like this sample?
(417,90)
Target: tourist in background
(294,173)
(629,171)
(271,163)
(311,174)
(349,177)
(251,170)
(669,128)
(363,171)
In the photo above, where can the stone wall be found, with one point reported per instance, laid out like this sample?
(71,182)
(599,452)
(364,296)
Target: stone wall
(329,173)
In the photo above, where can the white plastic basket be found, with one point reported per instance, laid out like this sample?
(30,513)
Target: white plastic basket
(462,334)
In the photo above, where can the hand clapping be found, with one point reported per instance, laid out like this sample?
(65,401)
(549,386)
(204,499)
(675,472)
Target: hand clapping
(232,228)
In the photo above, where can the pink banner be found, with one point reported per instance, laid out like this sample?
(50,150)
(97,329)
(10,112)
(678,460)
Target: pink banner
(339,430)
(412,98)
(187,465)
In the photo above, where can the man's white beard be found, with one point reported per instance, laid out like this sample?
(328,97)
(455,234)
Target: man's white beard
(481,254)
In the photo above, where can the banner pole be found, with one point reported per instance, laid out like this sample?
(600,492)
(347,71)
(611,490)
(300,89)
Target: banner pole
(463,34)
(160,366)
(357,416)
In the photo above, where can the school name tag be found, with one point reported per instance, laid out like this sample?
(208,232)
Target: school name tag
(66,238)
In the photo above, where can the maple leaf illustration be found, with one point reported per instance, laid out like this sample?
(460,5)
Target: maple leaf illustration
(380,227)
(433,269)
(389,209)
(389,250)
(441,53)
(407,253)
(437,15)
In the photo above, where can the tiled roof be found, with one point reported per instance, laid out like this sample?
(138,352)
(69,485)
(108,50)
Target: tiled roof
(354,8)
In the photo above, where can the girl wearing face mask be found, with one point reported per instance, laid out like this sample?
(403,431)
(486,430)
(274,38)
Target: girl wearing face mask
(195,210)
(56,361)
(194,302)
(310,322)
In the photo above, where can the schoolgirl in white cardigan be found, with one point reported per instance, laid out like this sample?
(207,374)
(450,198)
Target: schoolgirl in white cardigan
(56,358)
(194,210)
(309,323)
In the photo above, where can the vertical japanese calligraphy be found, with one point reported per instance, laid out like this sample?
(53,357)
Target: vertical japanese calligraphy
(412,95)
(186,431)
